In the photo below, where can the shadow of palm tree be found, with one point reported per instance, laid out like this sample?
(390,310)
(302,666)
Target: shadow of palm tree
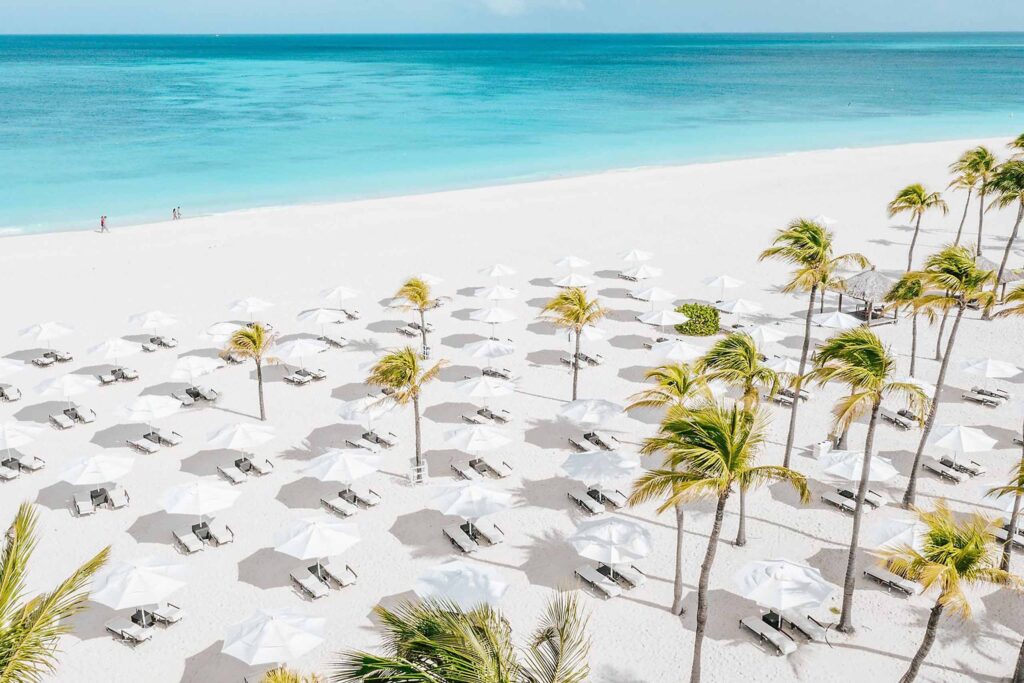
(550,560)
(213,665)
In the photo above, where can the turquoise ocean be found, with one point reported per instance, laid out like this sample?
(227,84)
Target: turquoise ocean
(131,126)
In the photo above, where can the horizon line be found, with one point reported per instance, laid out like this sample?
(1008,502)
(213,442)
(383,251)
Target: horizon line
(515,33)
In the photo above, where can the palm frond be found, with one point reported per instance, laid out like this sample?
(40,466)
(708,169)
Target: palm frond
(559,650)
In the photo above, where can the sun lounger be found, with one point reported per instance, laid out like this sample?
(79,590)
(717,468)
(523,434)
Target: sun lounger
(43,361)
(782,643)
(897,420)
(630,278)
(339,506)
(909,415)
(944,472)
(9,473)
(970,468)
(186,400)
(500,373)
(166,342)
(613,497)
(143,445)
(814,631)
(31,463)
(341,574)
(61,421)
(189,542)
(297,379)
(205,393)
(10,394)
(83,504)
(987,401)
(591,359)
(232,358)
(334,340)
(125,375)
(586,503)
(106,379)
(598,581)
(261,467)
(567,360)
(781,399)
(842,502)
(994,393)
(891,580)
(502,416)
(60,356)
(387,439)
(351,313)
(363,495)
(118,498)
(602,440)
(148,347)
(128,631)
(579,444)
(872,498)
(488,531)
(789,393)
(314,374)
(232,473)
(475,419)
(81,414)
(460,539)
(363,443)
(1001,534)
(220,532)
(164,437)
(308,584)
(465,471)
(408,331)
(499,468)
(167,613)
(628,575)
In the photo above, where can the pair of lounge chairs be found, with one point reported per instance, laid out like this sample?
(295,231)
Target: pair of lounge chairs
(195,538)
(128,632)
(334,340)
(790,394)
(190,395)
(51,357)
(781,398)
(143,445)
(607,496)
(629,576)
(464,535)
(10,394)
(373,441)
(585,502)
(499,373)
(487,416)
(943,471)
(68,418)
(118,374)
(982,399)
(86,502)
(897,420)
(971,468)
(893,581)
(351,313)
(479,468)
(315,581)
(303,376)
(597,581)
(846,500)
(9,472)
(769,634)
(408,331)
(595,439)
(590,358)
(18,463)
(164,437)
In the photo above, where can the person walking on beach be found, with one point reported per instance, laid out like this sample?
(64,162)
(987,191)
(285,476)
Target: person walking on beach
(178,212)
(174,214)
(103,224)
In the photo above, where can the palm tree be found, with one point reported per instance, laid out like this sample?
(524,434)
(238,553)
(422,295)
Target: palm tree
(1015,488)
(283,675)
(808,246)
(402,374)
(953,282)
(417,297)
(572,310)
(964,178)
(677,389)
(31,628)
(1016,299)
(736,361)
(436,641)
(254,341)
(1017,145)
(983,164)
(915,200)
(706,453)
(1008,186)
(906,294)
(859,359)
(955,553)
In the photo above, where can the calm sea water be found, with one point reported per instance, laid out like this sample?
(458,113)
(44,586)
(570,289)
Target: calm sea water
(132,126)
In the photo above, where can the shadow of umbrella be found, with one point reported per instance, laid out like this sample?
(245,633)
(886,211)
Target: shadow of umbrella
(266,568)
(204,463)
(272,374)
(118,435)
(208,352)
(831,562)
(728,609)
(26,355)
(550,561)
(634,373)
(159,527)
(305,493)
(457,341)
(164,389)
(91,622)
(457,373)
(381,326)
(549,434)
(420,531)
(551,493)
(633,342)
(439,461)
(58,496)
(449,413)
(40,412)
(550,357)
(391,602)
(213,665)
(320,439)
(352,391)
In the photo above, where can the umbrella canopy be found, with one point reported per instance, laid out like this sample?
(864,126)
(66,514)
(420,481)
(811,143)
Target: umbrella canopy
(467,585)
(471,500)
(739,306)
(97,469)
(498,270)
(218,333)
(599,467)
(317,536)
(663,317)
(10,367)
(574,280)
(677,351)
(273,637)
(782,585)
(571,261)
(296,350)
(497,293)
(365,410)
(766,334)
(199,497)
(961,439)
(636,256)
(66,386)
(240,436)
(475,438)
(492,316)
(590,411)
(18,434)
(321,316)
(152,320)
(344,465)
(835,321)
(722,281)
(142,581)
(249,305)
(611,540)
(895,534)
(150,408)
(654,294)
(489,348)
(338,295)
(848,465)
(990,368)
(643,271)
(591,333)
(485,387)
(784,365)
(189,367)
(115,348)
(46,332)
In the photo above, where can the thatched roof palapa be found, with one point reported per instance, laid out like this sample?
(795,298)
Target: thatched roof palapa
(869,285)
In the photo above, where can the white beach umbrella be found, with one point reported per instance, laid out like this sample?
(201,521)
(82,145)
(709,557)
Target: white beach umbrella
(115,348)
(141,581)
(636,256)
(677,351)
(152,320)
(599,467)
(836,321)
(895,534)
(365,410)
(489,349)
(784,365)
(475,438)
(46,332)
(739,306)
(468,585)
(612,541)
(317,536)
(485,387)
(344,465)
(766,334)
(187,368)
(338,295)
(274,636)
(492,315)
(498,270)
(990,368)
(219,333)
(249,305)
(97,469)
(848,465)
(150,408)
(722,282)
(643,272)
(199,497)
(470,499)
(571,262)
(663,318)
(10,367)
(66,386)
(574,280)
(590,411)
(18,434)
(240,436)
(961,439)
(497,293)
(822,219)
(654,294)
(321,317)
(591,333)
(782,585)
(295,350)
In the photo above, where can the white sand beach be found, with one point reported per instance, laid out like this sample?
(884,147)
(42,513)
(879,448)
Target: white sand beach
(698,220)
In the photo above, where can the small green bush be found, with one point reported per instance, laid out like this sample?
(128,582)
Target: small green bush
(703,320)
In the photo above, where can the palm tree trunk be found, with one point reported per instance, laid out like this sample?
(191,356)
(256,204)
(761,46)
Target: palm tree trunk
(259,387)
(741,529)
(702,585)
(1014,514)
(913,242)
(677,586)
(913,342)
(1018,671)
(942,328)
(846,616)
(967,205)
(1006,256)
(926,644)
(798,382)
(419,439)
(981,217)
(423,333)
(576,366)
(911,493)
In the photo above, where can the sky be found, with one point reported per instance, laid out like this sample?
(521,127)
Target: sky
(513,16)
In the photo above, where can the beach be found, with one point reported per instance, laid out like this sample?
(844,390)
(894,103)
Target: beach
(697,220)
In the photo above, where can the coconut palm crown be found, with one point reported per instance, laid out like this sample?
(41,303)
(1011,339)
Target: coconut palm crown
(573,310)
(254,341)
(916,201)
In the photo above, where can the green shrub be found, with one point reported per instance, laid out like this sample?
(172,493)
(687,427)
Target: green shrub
(703,320)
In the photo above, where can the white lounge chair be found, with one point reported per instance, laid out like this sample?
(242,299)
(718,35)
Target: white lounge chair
(364,444)
(232,473)
(166,342)
(498,468)
(460,539)
(143,445)
(489,531)
(500,373)
(340,506)
(220,532)
(601,440)
(782,643)
(334,340)
(845,504)
(205,393)
(61,421)
(315,374)
(585,502)
(947,473)
(465,471)
(994,393)
(502,416)
(309,584)
(896,419)
(186,400)
(81,414)
(891,580)
(83,504)
(164,437)
(987,401)
(629,575)
(807,626)
(297,379)
(970,468)
(9,473)
(118,498)
(872,498)
(187,539)
(167,613)
(617,499)
(363,495)
(10,394)
(341,574)
(31,463)
(128,631)
(43,361)
(579,444)
(261,467)
(408,331)
(598,581)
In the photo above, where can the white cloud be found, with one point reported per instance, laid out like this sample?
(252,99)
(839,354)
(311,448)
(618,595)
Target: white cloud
(510,8)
